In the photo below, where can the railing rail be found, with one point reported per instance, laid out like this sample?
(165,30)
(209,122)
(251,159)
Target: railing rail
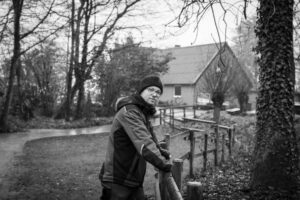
(168,185)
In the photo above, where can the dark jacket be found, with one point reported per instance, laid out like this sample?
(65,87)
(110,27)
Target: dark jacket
(131,143)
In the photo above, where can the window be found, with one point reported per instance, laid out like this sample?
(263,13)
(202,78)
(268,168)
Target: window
(177,90)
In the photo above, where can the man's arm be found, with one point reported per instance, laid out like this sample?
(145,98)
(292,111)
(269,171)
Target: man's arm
(133,123)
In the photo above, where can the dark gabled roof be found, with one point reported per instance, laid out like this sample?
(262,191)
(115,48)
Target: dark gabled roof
(188,63)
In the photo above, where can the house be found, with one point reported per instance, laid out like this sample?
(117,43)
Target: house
(191,68)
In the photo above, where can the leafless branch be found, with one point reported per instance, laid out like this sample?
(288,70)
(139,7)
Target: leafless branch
(40,22)
(108,32)
(43,39)
(4,23)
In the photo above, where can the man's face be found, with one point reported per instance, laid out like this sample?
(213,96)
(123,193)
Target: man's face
(151,95)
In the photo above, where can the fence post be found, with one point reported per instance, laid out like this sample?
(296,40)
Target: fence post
(223,149)
(229,141)
(156,186)
(194,191)
(205,152)
(170,116)
(192,152)
(194,110)
(177,172)
(233,135)
(162,185)
(173,118)
(165,115)
(160,117)
(216,144)
(174,193)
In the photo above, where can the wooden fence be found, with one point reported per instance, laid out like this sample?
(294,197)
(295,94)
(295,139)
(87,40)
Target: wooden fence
(168,113)
(169,185)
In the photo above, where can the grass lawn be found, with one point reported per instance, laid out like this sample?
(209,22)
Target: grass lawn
(60,168)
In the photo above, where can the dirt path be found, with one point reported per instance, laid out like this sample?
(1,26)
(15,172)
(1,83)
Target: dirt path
(11,146)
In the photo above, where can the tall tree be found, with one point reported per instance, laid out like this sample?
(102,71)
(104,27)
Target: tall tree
(22,33)
(15,63)
(87,49)
(276,154)
(71,64)
(42,66)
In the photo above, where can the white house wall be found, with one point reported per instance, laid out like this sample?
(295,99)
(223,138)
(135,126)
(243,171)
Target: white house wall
(187,93)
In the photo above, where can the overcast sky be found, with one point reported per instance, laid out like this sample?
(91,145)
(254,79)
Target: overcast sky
(162,36)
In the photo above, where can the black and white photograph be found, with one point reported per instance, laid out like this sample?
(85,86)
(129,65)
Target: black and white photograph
(149,99)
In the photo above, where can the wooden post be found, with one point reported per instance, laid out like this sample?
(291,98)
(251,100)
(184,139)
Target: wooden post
(177,173)
(167,139)
(157,189)
(162,184)
(173,118)
(205,153)
(223,149)
(194,191)
(170,116)
(229,141)
(192,152)
(170,184)
(184,112)
(160,117)
(194,110)
(216,144)
(233,135)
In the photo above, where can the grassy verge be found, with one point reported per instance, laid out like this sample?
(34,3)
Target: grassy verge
(60,168)
(16,124)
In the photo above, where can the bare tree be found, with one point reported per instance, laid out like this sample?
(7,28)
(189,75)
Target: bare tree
(18,37)
(85,35)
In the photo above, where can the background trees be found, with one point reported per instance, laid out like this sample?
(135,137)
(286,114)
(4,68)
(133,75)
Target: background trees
(121,70)
(82,31)
(16,18)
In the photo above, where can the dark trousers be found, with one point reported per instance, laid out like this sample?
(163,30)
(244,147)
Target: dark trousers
(119,192)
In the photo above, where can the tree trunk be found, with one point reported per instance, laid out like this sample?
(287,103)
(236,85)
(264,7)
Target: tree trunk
(61,113)
(80,101)
(275,154)
(82,72)
(218,100)
(71,66)
(15,62)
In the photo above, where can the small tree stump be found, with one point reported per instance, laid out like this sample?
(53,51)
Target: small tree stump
(194,191)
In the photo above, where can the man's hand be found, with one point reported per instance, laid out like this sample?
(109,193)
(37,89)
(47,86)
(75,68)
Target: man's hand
(167,167)
(165,153)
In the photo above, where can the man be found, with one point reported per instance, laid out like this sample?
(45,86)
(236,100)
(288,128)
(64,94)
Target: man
(132,143)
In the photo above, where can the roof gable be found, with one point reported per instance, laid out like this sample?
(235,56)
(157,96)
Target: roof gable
(188,63)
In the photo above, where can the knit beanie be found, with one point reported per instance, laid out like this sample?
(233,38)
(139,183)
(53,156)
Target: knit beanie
(149,81)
